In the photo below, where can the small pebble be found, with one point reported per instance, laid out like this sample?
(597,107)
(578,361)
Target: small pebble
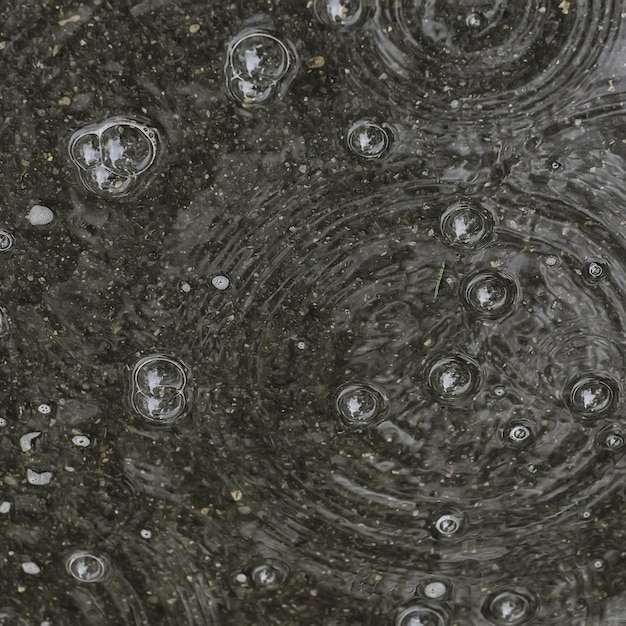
(40,215)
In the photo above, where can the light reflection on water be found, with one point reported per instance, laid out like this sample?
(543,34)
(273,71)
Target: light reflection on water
(328,324)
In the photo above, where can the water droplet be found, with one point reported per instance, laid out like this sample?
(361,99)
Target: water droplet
(269,574)
(40,215)
(420,616)
(519,433)
(453,377)
(509,607)
(258,67)
(220,282)
(360,404)
(467,225)
(596,270)
(158,388)
(115,157)
(87,567)
(81,441)
(612,438)
(7,240)
(448,523)
(31,568)
(339,12)
(368,140)
(489,293)
(435,589)
(592,395)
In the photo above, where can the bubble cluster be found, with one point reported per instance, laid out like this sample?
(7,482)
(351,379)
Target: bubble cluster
(116,157)
(159,389)
(87,567)
(368,140)
(489,293)
(360,404)
(592,395)
(259,67)
(467,224)
(454,377)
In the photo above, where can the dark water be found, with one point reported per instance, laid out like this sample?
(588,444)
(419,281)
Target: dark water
(328,323)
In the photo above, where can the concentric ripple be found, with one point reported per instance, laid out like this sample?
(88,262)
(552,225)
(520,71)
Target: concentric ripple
(116,157)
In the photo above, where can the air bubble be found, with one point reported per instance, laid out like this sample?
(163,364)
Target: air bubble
(7,240)
(87,567)
(258,67)
(519,433)
(467,225)
(509,607)
(592,395)
(269,574)
(368,140)
(339,12)
(454,377)
(448,523)
(360,404)
(612,438)
(220,282)
(159,388)
(420,616)
(596,270)
(489,293)
(115,157)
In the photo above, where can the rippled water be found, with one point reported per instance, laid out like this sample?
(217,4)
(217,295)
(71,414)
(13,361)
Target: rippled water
(313,313)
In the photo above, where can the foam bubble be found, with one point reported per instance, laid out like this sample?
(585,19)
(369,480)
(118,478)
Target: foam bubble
(595,270)
(519,433)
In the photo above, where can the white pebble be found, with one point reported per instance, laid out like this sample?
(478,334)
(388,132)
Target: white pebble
(5,507)
(40,215)
(44,409)
(26,441)
(31,568)
(220,282)
(36,478)
(81,441)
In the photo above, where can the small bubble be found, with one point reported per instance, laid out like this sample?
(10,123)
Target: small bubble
(7,240)
(448,523)
(31,568)
(466,224)
(498,391)
(258,67)
(87,567)
(420,616)
(555,165)
(40,215)
(339,12)
(3,422)
(81,441)
(612,438)
(595,271)
(269,574)
(44,409)
(592,395)
(551,261)
(509,607)
(145,533)
(301,345)
(519,433)
(599,564)
(220,282)
(489,293)
(360,404)
(586,515)
(241,578)
(368,140)
(453,377)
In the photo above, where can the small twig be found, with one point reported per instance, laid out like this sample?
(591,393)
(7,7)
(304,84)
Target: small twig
(439,279)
